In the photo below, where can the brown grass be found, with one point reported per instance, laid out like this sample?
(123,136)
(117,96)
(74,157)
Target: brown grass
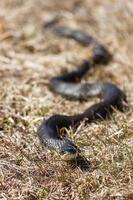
(28,58)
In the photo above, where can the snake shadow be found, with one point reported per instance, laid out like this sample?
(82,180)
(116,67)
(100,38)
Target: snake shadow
(80,162)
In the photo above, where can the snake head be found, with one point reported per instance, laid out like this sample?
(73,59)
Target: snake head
(69,150)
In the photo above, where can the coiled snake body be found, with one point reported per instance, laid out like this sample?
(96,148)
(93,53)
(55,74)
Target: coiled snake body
(67,86)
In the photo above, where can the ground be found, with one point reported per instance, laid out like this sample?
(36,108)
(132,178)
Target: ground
(29,57)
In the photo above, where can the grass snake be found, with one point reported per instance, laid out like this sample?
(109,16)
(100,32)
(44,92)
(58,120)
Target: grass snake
(68,85)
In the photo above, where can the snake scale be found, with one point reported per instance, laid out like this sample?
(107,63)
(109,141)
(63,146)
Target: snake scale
(68,86)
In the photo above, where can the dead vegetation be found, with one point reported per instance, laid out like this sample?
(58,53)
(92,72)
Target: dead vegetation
(28,58)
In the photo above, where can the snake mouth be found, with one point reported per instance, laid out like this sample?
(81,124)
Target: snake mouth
(67,156)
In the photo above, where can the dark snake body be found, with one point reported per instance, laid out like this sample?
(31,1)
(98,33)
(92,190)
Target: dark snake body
(67,86)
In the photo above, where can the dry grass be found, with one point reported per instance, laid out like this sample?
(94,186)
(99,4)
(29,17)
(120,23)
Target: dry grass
(28,58)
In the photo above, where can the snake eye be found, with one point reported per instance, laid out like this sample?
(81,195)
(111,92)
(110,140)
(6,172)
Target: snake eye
(69,149)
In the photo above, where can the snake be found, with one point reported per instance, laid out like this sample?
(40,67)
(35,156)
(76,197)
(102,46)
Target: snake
(69,86)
